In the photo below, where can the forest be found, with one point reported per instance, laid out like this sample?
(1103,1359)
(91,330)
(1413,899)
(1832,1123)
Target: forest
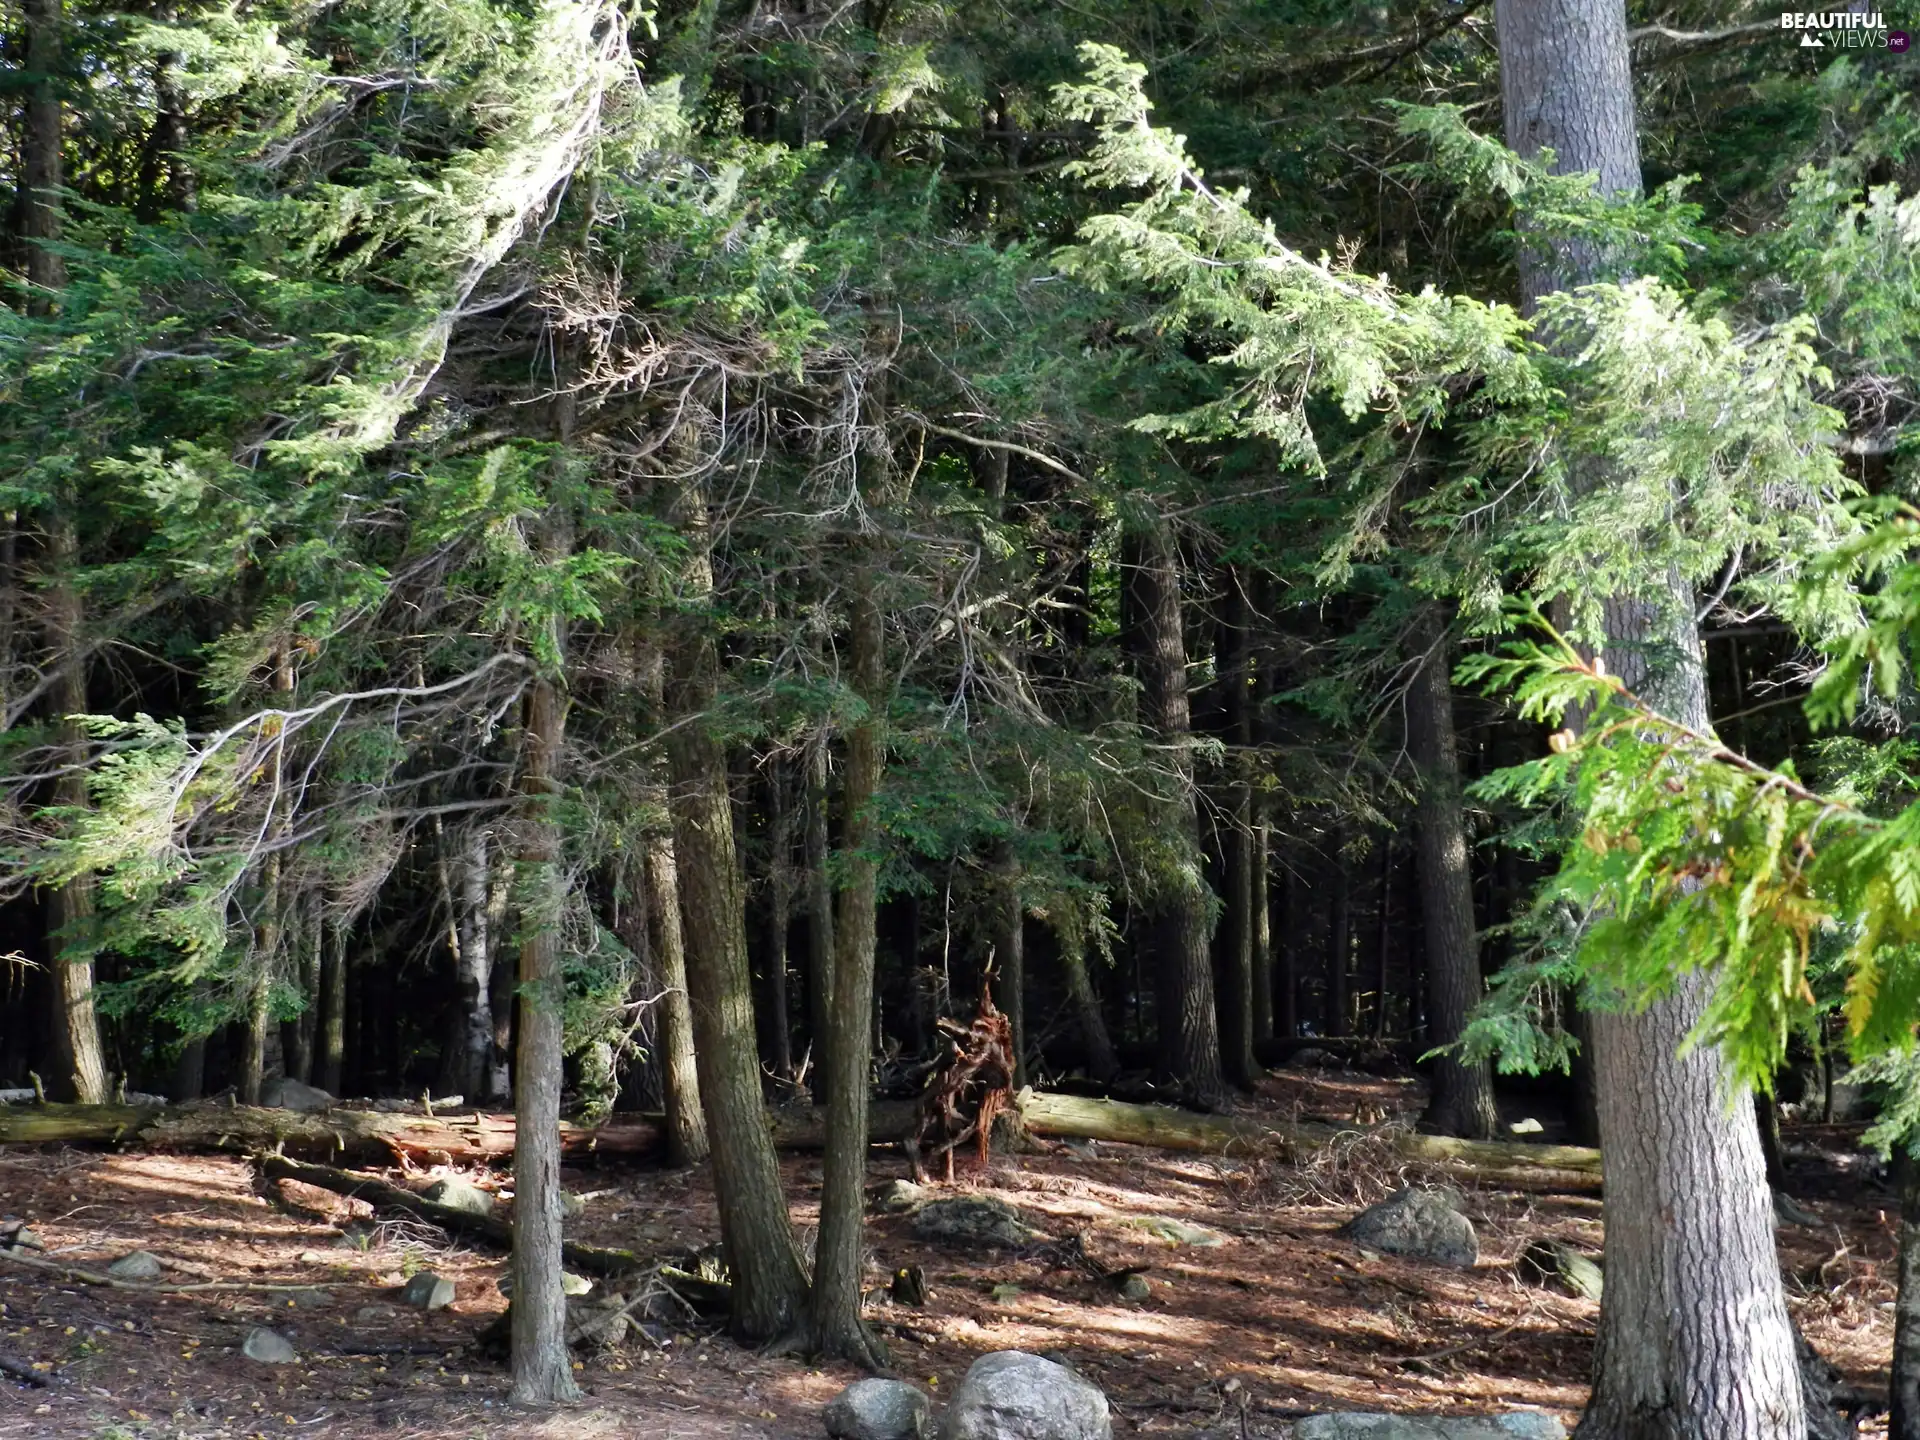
(1025,719)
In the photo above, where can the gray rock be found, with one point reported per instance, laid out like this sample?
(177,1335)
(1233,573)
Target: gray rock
(1558,1266)
(1175,1232)
(285,1094)
(428,1291)
(1851,1100)
(1419,1224)
(974,1220)
(1518,1425)
(269,1347)
(375,1315)
(313,1298)
(458,1194)
(879,1410)
(1136,1288)
(898,1197)
(139,1265)
(1010,1395)
(570,1284)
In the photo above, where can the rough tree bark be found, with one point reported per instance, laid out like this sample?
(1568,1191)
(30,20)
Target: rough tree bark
(1189,1033)
(1460,1098)
(1694,1342)
(769,1286)
(835,1325)
(679,1073)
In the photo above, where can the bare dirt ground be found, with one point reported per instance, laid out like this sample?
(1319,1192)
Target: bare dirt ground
(1268,1315)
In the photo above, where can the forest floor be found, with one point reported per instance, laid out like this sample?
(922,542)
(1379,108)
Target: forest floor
(1274,1315)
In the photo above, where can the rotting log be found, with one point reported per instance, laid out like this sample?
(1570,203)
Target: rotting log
(488,1138)
(593,1259)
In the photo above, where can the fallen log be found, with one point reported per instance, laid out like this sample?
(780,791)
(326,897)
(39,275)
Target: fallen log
(1507,1163)
(482,1137)
(593,1259)
(439,1139)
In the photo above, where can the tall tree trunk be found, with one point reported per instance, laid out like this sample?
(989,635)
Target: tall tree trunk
(1339,943)
(1904,1423)
(769,1287)
(679,1073)
(1010,958)
(1383,940)
(1189,1032)
(330,1065)
(819,912)
(500,989)
(1693,1338)
(777,1041)
(1460,1100)
(837,1329)
(541,1371)
(1235,946)
(298,1035)
(1261,909)
(466,873)
(269,934)
(79,1057)
(1286,1020)
(42,159)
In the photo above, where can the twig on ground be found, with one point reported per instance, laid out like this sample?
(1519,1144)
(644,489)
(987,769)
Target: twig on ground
(23,1372)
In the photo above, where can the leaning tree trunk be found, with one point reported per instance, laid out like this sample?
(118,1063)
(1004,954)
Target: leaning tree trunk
(1070,933)
(1460,1100)
(769,1286)
(1694,1342)
(836,1327)
(679,1073)
(1183,920)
